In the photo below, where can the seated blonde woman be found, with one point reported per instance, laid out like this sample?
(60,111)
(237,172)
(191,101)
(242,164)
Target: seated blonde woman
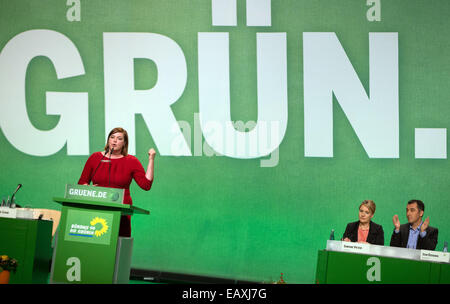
(364,230)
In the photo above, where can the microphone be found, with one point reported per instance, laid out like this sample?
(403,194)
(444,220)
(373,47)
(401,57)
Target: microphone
(12,196)
(106,152)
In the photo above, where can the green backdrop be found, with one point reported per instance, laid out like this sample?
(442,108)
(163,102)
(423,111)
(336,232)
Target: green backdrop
(223,216)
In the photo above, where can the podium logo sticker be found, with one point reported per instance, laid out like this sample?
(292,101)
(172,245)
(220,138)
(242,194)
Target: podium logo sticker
(88,227)
(104,226)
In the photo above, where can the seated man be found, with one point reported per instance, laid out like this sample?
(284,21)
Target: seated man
(416,234)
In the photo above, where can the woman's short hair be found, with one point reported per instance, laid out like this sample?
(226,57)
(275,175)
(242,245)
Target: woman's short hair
(370,205)
(124,151)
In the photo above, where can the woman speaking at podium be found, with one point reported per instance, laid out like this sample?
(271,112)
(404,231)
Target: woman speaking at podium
(364,230)
(115,168)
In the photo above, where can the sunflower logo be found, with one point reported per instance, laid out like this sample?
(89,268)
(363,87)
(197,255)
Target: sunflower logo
(103,223)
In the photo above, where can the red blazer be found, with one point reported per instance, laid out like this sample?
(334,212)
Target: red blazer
(116,173)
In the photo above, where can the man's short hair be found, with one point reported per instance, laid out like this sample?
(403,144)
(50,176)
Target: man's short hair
(419,203)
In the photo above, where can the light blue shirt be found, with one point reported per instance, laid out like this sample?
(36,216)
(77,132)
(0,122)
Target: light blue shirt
(414,236)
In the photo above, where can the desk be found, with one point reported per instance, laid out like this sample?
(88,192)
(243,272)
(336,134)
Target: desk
(377,264)
(29,242)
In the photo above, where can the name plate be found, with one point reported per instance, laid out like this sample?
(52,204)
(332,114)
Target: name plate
(8,212)
(435,256)
(94,194)
(355,247)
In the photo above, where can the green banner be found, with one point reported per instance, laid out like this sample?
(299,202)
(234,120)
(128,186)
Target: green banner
(272,120)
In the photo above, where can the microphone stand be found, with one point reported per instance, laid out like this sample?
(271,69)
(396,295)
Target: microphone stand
(95,171)
(12,197)
(109,171)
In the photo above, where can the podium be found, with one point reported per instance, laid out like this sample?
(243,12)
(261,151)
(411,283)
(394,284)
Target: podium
(88,249)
